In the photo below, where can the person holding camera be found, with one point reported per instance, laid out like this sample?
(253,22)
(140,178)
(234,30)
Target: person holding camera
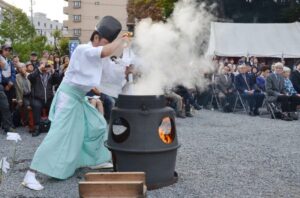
(42,81)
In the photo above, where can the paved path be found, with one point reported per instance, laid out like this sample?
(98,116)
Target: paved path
(222,155)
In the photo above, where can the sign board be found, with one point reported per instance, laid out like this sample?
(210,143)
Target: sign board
(72,46)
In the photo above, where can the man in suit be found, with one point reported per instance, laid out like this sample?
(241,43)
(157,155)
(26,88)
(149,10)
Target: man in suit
(247,88)
(225,89)
(295,77)
(276,92)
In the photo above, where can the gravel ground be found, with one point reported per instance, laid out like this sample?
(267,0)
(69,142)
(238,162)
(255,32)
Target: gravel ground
(222,155)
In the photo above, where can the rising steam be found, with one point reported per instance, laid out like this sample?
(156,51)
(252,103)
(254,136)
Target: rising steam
(171,53)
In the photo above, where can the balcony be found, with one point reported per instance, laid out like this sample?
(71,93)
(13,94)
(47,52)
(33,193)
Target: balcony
(66,10)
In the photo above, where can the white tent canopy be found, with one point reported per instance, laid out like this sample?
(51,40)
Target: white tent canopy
(258,39)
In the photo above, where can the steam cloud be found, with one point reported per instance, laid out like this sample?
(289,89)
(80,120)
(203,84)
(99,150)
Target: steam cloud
(171,53)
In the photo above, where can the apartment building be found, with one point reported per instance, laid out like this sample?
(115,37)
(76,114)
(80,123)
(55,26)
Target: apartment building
(83,15)
(45,26)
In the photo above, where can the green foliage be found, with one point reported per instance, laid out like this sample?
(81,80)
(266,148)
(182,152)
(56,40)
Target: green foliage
(16,27)
(64,46)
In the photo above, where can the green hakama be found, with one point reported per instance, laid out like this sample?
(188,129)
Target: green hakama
(76,137)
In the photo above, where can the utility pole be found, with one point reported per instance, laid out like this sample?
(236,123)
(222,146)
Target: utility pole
(31,11)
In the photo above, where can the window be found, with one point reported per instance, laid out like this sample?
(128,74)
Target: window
(77,4)
(39,23)
(51,26)
(77,32)
(76,18)
(45,25)
(56,27)
(97,3)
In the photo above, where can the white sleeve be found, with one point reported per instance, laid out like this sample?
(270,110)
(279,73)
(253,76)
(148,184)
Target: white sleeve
(94,52)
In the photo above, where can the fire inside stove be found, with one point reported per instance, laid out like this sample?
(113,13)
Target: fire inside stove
(165,130)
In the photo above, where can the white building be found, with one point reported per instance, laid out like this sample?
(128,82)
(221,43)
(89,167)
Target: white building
(45,26)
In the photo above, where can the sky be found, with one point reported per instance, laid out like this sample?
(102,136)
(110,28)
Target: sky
(52,8)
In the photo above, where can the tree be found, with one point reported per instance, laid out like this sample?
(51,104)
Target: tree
(16,27)
(56,35)
(64,46)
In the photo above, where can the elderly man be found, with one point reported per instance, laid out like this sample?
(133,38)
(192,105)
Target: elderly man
(276,92)
(248,90)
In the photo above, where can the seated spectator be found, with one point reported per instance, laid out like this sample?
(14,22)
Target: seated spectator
(295,77)
(276,92)
(8,74)
(224,84)
(247,88)
(42,80)
(187,99)
(177,102)
(290,90)
(23,93)
(94,99)
(261,80)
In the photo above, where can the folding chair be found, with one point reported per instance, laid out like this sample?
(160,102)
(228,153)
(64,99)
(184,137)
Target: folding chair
(274,109)
(243,102)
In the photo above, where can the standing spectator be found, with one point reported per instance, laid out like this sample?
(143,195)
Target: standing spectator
(23,92)
(29,67)
(246,87)
(16,61)
(295,77)
(34,60)
(8,74)
(4,106)
(42,81)
(51,57)
(56,62)
(45,55)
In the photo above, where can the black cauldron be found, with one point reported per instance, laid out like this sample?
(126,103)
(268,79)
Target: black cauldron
(142,137)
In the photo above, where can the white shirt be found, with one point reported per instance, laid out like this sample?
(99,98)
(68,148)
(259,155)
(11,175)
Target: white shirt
(113,78)
(85,67)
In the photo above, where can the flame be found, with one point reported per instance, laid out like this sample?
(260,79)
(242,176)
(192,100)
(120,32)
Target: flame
(165,131)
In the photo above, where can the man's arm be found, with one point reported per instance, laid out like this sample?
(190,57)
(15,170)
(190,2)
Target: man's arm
(110,48)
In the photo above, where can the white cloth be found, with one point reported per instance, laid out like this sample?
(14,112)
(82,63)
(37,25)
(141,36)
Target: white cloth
(113,77)
(13,136)
(85,68)
(4,165)
(255,39)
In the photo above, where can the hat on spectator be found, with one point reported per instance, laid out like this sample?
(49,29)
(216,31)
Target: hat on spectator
(33,54)
(109,28)
(6,46)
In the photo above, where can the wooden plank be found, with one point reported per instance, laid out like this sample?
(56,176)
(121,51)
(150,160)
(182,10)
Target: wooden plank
(115,176)
(89,189)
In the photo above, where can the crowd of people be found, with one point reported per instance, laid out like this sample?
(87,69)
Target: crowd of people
(27,89)
(250,84)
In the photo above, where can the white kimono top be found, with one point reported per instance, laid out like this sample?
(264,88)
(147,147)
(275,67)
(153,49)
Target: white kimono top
(85,67)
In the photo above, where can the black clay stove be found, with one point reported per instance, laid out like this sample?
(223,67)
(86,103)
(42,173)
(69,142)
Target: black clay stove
(142,137)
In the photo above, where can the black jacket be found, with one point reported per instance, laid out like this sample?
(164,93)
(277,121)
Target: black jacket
(295,78)
(38,90)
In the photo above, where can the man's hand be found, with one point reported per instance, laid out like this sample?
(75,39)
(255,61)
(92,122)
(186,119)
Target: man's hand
(96,91)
